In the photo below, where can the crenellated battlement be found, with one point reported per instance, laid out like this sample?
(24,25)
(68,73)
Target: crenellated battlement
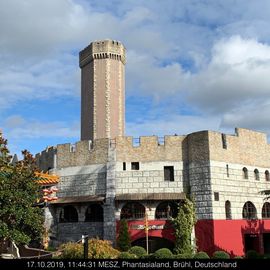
(103,49)
(245,147)
(148,148)
(45,160)
(82,153)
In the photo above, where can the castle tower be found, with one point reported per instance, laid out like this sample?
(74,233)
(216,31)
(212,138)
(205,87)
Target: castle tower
(102,66)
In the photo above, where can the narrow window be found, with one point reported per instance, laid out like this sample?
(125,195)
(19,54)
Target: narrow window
(124,166)
(228,211)
(216,196)
(135,166)
(168,173)
(256,174)
(224,141)
(245,173)
(267,178)
(227,170)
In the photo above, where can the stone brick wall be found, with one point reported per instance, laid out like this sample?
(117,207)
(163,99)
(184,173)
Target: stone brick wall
(82,180)
(46,159)
(73,231)
(236,189)
(149,149)
(149,178)
(83,154)
(245,147)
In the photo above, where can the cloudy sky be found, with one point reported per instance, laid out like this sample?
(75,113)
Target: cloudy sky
(191,65)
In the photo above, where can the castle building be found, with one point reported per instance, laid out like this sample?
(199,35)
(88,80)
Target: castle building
(108,176)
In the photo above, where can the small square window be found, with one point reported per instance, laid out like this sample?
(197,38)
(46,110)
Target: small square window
(135,165)
(216,196)
(168,173)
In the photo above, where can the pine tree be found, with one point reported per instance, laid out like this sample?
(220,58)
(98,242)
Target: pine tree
(123,240)
(183,224)
(19,220)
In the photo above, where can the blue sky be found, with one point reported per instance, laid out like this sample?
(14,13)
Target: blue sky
(191,65)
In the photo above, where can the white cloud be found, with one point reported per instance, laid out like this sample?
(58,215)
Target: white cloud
(237,74)
(17,127)
(175,124)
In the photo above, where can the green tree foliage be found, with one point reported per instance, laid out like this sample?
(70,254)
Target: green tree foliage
(138,251)
(183,224)
(163,253)
(19,220)
(123,239)
(201,255)
(220,255)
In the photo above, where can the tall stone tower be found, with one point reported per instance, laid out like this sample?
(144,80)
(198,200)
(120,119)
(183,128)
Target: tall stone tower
(102,66)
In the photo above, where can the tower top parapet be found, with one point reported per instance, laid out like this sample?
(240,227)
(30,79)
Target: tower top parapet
(102,49)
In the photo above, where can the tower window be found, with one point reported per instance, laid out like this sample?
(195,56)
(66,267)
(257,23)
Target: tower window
(216,196)
(227,170)
(267,177)
(135,165)
(245,173)
(256,174)
(228,211)
(224,141)
(168,173)
(124,166)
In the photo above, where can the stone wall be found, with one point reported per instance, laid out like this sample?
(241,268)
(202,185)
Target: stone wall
(245,147)
(149,149)
(149,178)
(82,180)
(46,160)
(73,231)
(83,153)
(236,189)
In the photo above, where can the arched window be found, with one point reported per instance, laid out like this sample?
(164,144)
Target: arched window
(266,210)
(166,210)
(256,174)
(245,173)
(132,210)
(68,214)
(249,211)
(94,213)
(228,211)
(267,177)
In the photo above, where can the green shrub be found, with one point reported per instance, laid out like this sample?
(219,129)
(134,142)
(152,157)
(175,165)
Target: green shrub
(220,255)
(163,253)
(183,256)
(123,241)
(138,251)
(148,256)
(201,255)
(252,254)
(266,256)
(127,255)
(238,257)
(101,249)
(71,251)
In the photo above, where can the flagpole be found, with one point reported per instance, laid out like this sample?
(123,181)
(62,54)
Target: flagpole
(146,230)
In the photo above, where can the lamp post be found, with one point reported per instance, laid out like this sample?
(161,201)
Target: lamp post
(146,231)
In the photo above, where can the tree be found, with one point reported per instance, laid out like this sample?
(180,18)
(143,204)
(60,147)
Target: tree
(123,239)
(183,223)
(19,220)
